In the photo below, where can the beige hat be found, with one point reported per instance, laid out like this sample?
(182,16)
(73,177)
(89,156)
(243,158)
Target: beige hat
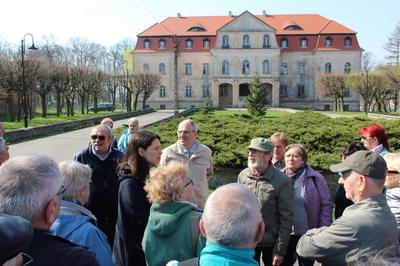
(366,163)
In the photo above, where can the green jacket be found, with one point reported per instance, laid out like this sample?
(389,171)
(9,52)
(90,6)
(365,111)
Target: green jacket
(170,233)
(274,191)
(364,229)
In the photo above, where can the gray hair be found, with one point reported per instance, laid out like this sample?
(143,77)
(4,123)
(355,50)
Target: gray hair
(192,123)
(103,126)
(3,144)
(133,120)
(76,176)
(27,184)
(232,216)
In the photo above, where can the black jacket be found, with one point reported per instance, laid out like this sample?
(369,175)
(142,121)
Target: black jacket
(103,199)
(49,250)
(133,213)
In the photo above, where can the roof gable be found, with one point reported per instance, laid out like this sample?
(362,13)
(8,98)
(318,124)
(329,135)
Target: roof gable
(246,22)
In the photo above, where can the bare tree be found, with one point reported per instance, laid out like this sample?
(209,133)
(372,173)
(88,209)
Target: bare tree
(334,86)
(393,46)
(145,84)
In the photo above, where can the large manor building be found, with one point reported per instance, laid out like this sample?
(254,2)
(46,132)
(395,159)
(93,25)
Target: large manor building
(219,56)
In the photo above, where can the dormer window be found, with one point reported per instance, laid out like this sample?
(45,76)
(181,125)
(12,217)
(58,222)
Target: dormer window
(284,43)
(328,42)
(303,43)
(266,42)
(197,29)
(347,42)
(161,44)
(246,41)
(146,44)
(189,44)
(206,43)
(293,27)
(225,41)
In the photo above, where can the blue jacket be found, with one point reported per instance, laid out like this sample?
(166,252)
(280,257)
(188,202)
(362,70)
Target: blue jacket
(77,224)
(124,141)
(224,256)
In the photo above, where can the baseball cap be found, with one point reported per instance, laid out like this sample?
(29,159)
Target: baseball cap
(15,235)
(261,144)
(366,163)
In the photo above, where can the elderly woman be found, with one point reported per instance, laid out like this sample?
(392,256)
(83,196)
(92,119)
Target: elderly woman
(75,222)
(392,185)
(133,127)
(172,231)
(143,153)
(4,155)
(312,204)
(375,139)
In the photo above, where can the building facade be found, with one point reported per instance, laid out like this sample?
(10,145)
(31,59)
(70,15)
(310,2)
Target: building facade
(219,56)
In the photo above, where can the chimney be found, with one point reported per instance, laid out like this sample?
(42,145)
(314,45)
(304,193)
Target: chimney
(179,15)
(264,13)
(231,14)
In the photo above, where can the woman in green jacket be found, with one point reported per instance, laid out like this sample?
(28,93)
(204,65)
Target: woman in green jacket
(172,231)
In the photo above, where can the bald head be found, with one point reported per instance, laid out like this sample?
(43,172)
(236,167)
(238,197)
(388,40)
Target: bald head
(232,217)
(108,122)
(187,133)
(100,138)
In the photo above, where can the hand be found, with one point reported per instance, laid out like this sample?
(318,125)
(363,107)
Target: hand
(277,260)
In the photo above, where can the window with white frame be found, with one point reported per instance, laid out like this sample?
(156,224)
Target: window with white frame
(189,44)
(206,90)
(225,67)
(265,67)
(161,44)
(347,42)
(302,68)
(246,41)
(303,43)
(266,41)
(206,68)
(162,91)
(161,69)
(328,68)
(301,91)
(284,69)
(206,43)
(284,43)
(188,69)
(188,91)
(146,67)
(146,44)
(328,42)
(347,68)
(225,41)
(283,90)
(246,67)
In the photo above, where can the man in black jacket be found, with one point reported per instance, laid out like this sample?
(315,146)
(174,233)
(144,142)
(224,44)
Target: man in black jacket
(103,159)
(31,187)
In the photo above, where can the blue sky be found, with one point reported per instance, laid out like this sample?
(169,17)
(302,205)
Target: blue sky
(109,21)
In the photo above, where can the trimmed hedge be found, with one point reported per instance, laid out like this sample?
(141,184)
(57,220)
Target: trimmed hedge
(228,133)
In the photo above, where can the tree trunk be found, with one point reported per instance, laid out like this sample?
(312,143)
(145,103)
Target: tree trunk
(135,102)
(44,105)
(58,99)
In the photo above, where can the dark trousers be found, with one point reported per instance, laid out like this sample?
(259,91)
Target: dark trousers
(107,225)
(266,255)
(291,254)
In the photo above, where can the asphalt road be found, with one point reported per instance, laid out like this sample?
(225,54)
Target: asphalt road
(66,145)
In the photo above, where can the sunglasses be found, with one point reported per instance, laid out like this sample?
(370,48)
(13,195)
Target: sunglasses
(190,181)
(62,190)
(100,137)
(27,260)
(393,172)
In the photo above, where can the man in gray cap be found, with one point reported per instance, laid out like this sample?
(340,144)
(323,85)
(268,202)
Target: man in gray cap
(366,227)
(274,191)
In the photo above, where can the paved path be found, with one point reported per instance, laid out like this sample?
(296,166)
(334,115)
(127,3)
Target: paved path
(66,145)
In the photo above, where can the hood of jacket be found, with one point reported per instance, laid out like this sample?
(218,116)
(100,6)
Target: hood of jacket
(166,218)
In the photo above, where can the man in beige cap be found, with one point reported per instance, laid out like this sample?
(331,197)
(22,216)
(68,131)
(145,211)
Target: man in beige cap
(274,191)
(366,227)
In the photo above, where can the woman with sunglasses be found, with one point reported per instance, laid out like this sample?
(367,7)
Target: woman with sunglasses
(143,153)
(375,139)
(172,231)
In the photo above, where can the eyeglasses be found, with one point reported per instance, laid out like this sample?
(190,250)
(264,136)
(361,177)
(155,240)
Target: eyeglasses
(100,137)
(62,190)
(190,181)
(26,259)
(185,131)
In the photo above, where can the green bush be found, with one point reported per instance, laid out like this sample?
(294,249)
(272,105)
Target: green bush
(228,133)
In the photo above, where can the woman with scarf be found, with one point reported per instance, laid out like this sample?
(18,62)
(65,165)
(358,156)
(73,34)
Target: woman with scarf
(375,139)
(312,204)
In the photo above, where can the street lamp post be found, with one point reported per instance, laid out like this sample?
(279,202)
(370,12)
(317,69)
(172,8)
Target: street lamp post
(24,96)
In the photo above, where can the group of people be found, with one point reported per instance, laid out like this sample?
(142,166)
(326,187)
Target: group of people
(129,202)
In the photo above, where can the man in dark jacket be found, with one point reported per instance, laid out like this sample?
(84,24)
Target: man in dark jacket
(103,160)
(31,187)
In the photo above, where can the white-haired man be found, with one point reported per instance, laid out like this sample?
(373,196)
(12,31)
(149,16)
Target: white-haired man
(31,187)
(188,150)
(103,159)
(366,227)
(274,190)
(233,226)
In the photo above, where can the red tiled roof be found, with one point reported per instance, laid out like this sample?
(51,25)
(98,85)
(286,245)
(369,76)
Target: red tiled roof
(310,24)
